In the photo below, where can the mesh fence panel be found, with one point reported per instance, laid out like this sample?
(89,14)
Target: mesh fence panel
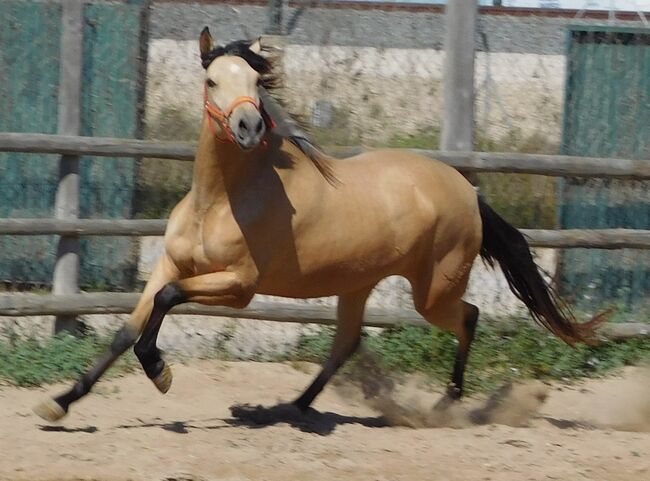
(607,114)
(30,36)
(29,82)
(111,96)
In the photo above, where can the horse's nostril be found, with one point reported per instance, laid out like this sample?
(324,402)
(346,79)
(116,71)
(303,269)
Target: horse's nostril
(259,126)
(242,125)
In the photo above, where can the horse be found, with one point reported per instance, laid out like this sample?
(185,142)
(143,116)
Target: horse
(269,213)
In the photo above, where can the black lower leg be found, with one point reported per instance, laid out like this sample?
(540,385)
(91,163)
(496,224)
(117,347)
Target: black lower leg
(329,369)
(305,400)
(124,339)
(146,350)
(455,389)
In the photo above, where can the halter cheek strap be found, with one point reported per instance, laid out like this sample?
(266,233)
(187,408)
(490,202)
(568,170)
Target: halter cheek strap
(222,117)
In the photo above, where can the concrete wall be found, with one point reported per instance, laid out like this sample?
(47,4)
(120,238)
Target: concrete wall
(379,92)
(380,71)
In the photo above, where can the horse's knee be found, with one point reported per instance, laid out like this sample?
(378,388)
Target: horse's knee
(243,298)
(169,296)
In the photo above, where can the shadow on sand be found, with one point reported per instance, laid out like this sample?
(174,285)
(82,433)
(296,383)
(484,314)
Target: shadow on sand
(309,421)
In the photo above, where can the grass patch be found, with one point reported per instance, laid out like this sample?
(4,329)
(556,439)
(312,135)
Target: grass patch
(500,353)
(507,351)
(28,362)
(424,139)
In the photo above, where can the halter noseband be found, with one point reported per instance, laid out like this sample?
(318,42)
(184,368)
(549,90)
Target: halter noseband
(222,117)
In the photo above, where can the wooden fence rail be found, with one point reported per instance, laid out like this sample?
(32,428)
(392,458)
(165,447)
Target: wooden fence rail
(552,165)
(124,303)
(567,238)
(120,303)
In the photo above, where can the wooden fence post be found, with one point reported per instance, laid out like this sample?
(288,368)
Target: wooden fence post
(66,269)
(458,111)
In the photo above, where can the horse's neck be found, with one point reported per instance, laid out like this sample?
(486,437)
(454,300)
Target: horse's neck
(218,168)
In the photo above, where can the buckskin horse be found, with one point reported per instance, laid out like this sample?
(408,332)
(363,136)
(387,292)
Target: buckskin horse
(269,213)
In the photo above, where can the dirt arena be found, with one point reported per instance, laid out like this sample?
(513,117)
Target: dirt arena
(598,430)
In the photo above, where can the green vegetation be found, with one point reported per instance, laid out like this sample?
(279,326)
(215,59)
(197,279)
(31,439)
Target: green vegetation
(424,139)
(501,352)
(27,362)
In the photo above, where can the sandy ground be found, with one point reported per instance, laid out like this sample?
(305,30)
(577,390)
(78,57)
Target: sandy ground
(125,430)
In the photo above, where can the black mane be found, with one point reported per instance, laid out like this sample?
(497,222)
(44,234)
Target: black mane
(239,48)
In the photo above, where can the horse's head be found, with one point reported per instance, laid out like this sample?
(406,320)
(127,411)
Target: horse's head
(232,75)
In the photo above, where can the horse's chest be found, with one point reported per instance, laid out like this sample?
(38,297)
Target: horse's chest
(219,244)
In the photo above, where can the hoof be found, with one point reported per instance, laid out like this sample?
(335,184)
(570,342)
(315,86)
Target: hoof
(163,381)
(50,410)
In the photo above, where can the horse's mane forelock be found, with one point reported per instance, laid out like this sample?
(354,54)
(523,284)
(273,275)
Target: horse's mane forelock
(241,48)
(270,81)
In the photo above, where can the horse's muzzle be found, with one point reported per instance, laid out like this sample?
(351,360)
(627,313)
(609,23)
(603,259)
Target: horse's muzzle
(248,128)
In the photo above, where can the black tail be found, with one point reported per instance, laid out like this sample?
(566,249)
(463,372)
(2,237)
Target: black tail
(507,246)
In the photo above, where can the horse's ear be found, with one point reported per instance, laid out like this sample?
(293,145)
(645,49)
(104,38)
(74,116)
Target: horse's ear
(206,43)
(256,46)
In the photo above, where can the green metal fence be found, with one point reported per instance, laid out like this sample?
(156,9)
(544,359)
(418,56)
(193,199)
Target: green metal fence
(114,35)
(29,81)
(607,114)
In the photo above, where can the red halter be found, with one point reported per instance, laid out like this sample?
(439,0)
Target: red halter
(222,117)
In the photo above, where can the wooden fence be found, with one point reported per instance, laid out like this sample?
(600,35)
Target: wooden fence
(124,303)
(66,302)
(19,304)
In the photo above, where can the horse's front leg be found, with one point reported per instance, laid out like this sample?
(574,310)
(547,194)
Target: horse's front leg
(54,409)
(219,288)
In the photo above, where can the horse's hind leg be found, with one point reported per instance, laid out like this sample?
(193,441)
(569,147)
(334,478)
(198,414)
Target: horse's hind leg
(438,298)
(465,337)
(461,320)
(348,334)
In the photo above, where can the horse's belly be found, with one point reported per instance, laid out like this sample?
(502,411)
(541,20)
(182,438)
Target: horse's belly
(331,269)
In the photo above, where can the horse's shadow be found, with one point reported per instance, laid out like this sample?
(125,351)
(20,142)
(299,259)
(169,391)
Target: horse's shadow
(309,421)
(257,417)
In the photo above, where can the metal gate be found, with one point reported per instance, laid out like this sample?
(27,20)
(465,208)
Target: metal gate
(607,114)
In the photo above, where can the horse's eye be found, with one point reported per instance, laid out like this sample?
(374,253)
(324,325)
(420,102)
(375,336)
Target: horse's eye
(210,83)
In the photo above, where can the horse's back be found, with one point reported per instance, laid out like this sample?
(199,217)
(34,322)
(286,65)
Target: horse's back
(410,204)
(443,203)
(411,165)
(435,188)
